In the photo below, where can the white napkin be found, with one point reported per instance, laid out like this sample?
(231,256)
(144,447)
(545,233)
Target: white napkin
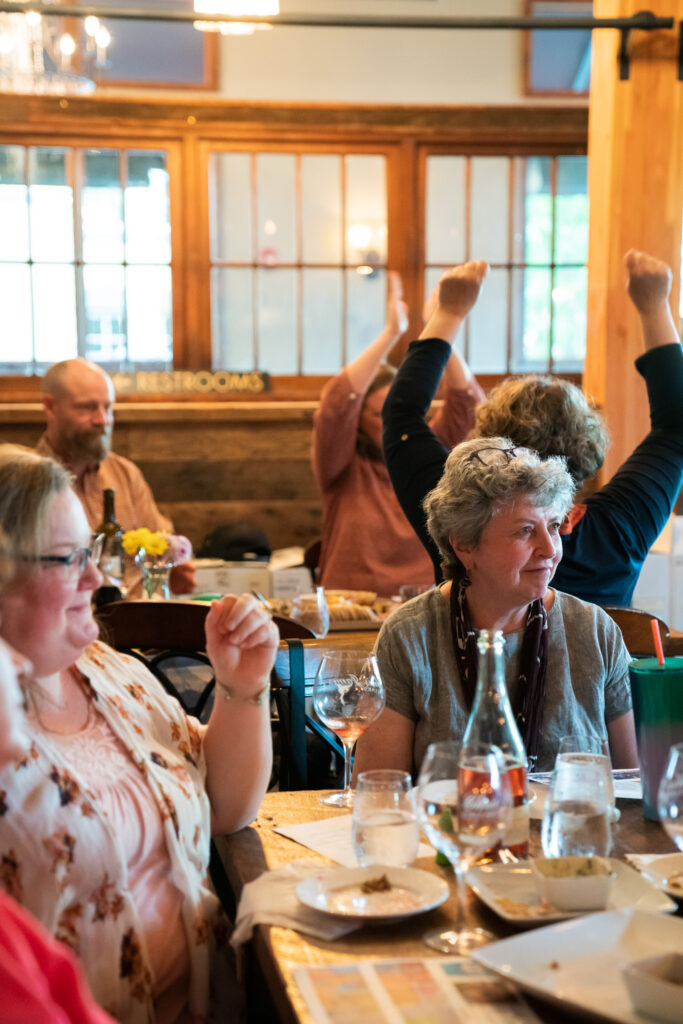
(271,899)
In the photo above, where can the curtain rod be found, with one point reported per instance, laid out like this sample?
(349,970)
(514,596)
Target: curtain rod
(643,21)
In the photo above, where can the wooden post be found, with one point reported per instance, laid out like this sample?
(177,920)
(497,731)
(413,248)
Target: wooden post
(635,184)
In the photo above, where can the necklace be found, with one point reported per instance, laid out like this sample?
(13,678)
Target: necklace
(62,707)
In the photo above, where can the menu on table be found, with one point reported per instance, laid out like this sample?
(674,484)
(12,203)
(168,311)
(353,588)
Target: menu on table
(449,990)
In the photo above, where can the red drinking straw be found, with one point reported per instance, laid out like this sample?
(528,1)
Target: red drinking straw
(658,641)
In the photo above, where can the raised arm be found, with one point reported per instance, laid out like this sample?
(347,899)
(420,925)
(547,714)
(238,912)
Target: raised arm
(414,454)
(362,369)
(241,642)
(633,507)
(649,286)
(335,424)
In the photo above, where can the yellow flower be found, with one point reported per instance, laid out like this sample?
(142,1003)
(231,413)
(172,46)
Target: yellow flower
(151,543)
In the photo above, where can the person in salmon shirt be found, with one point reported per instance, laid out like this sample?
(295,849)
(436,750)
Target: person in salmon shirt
(367,542)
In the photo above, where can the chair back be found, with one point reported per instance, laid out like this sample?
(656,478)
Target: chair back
(168,637)
(293,677)
(636,629)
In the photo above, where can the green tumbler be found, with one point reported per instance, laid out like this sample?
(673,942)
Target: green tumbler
(657,692)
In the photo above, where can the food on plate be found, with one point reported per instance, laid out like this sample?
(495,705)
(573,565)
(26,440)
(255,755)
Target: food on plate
(366,597)
(520,908)
(675,882)
(573,883)
(572,867)
(346,611)
(381,884)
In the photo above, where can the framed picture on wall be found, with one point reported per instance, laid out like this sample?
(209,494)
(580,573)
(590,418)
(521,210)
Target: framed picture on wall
(157,54)
(557,63)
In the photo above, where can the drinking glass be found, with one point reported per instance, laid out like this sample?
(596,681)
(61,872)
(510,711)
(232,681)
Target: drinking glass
(464,804)
(576,817)
(591,749)
(311,611)
(384,827)
(347,696)
(670,797)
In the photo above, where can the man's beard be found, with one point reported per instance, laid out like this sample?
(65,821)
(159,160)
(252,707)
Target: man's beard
(90,445)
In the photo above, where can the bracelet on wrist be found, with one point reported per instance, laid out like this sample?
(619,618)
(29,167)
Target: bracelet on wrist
(257,698)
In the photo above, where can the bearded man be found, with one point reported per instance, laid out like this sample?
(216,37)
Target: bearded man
(78,398)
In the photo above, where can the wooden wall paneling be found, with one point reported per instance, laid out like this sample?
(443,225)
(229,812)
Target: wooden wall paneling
(635,183)
(286,523)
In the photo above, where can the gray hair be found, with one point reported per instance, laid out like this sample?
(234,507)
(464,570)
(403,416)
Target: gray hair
(27,482)
(470,493)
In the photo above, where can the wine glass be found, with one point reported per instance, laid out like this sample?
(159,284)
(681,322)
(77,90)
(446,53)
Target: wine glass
(464,804)
(670,798)
(384,827)
(347,696)
(577,815)
(311,610)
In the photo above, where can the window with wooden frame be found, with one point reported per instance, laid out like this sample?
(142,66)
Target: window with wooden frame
(271,232)
(528,217)
(298,253)
(85,267)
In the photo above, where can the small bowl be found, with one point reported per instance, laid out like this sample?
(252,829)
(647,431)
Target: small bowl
(655,986)
(573,883)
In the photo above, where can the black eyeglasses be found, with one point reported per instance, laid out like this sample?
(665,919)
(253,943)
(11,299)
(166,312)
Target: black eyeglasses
(490,455)
(75,562)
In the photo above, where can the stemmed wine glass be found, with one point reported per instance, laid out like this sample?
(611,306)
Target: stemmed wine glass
(347,696)
(670,797)
(464,803)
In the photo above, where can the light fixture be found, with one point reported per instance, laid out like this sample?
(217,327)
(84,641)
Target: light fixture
(38,55)
(238,9)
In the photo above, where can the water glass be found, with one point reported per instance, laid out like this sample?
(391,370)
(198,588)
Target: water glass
(591,749)
(577,818)
(670,798)
(312,611)
(384,827)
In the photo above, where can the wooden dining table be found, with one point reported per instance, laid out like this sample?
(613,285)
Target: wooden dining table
(269,959)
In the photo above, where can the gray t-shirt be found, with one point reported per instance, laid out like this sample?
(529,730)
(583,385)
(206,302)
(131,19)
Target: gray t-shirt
(586,686)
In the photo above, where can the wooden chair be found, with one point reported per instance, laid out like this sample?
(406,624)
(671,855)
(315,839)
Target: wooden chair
(296,665)
(168,637)
(636,629)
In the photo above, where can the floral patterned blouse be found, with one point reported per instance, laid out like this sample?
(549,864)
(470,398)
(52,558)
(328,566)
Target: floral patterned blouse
(61,858)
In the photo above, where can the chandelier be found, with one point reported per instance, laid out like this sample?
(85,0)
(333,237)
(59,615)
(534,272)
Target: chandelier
(38,55)
(236,8)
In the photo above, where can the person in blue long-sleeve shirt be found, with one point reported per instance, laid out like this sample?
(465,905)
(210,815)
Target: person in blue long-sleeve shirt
(606,536)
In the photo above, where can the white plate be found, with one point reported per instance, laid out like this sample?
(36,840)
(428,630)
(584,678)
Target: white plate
(666,873)
(339,893)
(501,886)
(579,962)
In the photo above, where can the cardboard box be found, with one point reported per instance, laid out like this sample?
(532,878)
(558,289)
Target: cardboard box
(217,577)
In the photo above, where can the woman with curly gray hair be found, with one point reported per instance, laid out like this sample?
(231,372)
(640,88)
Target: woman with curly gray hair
(495,516)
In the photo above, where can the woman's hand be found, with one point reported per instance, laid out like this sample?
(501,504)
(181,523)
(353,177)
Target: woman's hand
(397,309)
(241,641)
(649,280)
(456,294)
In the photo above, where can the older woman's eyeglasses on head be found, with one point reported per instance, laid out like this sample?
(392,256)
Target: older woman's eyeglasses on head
(491,455)
(75,562)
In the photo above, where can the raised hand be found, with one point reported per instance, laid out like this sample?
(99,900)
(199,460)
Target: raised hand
(241,642)
(649,281)
(397,309)
(459,288)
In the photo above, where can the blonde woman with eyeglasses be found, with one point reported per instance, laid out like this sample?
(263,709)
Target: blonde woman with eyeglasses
(105,823)
(495,516)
